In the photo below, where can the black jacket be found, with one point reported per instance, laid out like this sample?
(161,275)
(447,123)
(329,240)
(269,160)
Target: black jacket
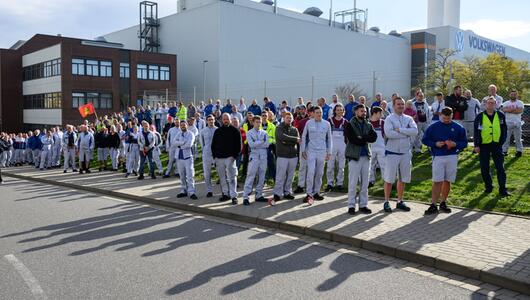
(458,104)
(100,140)
(113,141)
(226,142)
(477,137)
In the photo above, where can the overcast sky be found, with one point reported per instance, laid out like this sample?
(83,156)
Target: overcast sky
(505,21)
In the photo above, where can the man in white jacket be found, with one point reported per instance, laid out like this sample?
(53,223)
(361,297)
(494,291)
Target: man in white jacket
(206,137)
(400,131)
(85,147)
(184,142)
(258,143)
(171,148)
(316,148)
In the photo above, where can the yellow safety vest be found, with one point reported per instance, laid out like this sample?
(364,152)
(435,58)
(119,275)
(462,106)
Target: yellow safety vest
(490,132)
(182,113)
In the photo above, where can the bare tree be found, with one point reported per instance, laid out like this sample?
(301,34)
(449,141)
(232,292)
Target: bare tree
(344,90)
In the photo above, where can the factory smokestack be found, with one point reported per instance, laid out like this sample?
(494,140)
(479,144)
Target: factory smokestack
(443,13)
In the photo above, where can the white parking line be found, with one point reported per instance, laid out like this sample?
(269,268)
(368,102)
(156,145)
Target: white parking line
(25,273)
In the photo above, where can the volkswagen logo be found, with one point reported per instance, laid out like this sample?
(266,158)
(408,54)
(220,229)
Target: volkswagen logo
(459,41)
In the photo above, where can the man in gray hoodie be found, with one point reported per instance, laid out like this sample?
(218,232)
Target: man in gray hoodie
(400,132)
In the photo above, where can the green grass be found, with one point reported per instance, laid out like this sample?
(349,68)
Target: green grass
(467,191)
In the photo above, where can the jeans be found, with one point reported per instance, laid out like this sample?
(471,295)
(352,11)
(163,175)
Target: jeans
(271,161)
(494,151)
(149,156)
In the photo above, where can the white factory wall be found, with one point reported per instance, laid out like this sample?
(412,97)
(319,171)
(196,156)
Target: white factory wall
(46,54)
(258,46)
(42,116)
(247,45)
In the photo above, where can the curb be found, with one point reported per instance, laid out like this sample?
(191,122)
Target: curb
(456,266)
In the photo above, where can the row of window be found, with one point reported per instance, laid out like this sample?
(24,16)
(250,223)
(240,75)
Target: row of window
(91,67)
(103,68)
(43,101)
(42,70)
(152,72)
(100,100)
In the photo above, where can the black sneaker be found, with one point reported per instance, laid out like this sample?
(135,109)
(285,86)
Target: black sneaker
(288,197)
(370,184)
(261,199)
(234,201)
(74,170)
(209,195)
(518,154)
(246,202)
(65,171)
(141,177)
(193,197)
(386,207)
(444,208)
(504,194)
(182,195)
(329,188)
(126,174)
(135,173)
(431,210)
(224,198)
(488,190)
(401,205)
(80,171)
(276,197)
(166,176)
(153,176)
(365,210)
(298,190)
(351,210)
(318,197)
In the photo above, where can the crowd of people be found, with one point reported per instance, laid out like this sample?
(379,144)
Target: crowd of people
(272,141)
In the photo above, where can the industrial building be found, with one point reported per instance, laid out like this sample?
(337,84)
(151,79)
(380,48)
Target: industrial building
(234,48)
(226,49)
(44,80)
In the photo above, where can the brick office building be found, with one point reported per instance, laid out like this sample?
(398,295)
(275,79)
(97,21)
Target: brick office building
(45,79)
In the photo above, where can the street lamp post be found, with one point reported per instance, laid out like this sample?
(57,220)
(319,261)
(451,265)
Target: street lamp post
(204,80)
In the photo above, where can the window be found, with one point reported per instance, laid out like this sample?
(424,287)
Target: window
(56,67)
(43,101)
(78,99)
(78,66)
(100,100)
(105,68)
(141,72)
(42,70)
(93,98)
(124,70)
(164,73)
(105,101)
(92,67)
(153,72)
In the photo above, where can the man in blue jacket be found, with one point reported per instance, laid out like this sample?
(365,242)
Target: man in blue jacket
(445,140)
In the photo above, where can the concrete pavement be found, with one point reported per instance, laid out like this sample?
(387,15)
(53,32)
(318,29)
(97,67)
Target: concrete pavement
(79,245)
(490,247)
